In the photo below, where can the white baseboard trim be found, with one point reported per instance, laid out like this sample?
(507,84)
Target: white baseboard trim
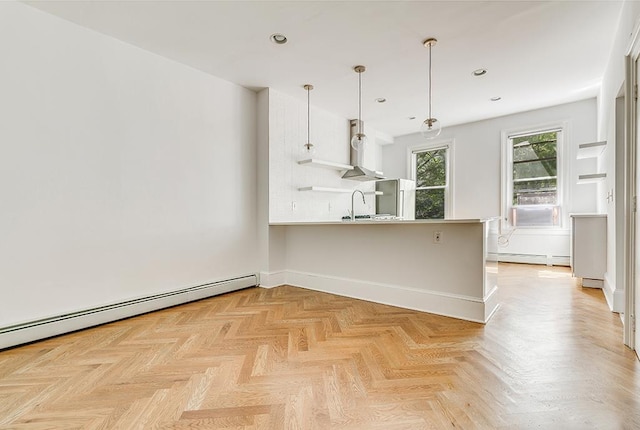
(548,260)
(592,283)
(52,326)
(435,302)
(615,297)
(273,279)
(491,304)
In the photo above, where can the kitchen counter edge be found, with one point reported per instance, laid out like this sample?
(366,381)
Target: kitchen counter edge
(387,222)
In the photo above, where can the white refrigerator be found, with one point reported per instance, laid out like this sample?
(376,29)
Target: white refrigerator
(396,197)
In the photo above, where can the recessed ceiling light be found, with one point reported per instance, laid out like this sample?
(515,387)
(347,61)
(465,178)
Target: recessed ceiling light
(495,99)
(479,72)
(279,38)
(381,100)
(412,118)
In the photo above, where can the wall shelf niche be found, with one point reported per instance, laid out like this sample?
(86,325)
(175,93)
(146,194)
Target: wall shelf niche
(314,162)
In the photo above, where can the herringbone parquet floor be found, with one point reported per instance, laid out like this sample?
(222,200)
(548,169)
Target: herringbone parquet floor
(289,358)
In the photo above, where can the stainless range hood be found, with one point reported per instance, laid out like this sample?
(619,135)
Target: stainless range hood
(359,173)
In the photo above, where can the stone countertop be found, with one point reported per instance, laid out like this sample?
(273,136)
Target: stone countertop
(387,222)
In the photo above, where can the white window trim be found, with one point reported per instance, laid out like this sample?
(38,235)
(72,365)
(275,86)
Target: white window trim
(563,177)
(449,144)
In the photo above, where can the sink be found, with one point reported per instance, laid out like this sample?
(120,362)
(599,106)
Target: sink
(373,217)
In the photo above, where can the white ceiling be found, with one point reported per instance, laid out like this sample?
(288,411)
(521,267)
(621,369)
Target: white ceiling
(537,53)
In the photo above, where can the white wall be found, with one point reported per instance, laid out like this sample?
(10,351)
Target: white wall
(477,169)
(287,128)
(611,85)
(122,173)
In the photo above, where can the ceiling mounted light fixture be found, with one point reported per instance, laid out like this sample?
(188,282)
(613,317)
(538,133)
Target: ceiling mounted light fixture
(309,148)
(278,38)
(479,72)
(431,126)
(495,99)
(359,139)
(381,100)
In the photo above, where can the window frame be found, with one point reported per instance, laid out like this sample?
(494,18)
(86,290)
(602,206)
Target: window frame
(448,145)
(562,174)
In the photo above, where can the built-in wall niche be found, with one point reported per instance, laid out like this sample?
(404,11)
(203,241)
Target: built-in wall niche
(591,150)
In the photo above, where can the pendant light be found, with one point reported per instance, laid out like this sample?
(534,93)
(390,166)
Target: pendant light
(309,147)
(431,127)
(359,139)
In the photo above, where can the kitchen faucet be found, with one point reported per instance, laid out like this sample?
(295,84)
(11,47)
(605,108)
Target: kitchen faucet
(353,214)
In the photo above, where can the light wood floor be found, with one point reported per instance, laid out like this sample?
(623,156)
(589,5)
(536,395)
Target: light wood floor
(289,358)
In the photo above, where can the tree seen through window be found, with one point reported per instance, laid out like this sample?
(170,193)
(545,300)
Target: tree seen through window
(431,181)
(535,169)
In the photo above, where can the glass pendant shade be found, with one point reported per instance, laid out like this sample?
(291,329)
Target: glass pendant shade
(358,141)
(430,128)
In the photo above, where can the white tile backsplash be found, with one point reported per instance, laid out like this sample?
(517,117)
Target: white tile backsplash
(330,134)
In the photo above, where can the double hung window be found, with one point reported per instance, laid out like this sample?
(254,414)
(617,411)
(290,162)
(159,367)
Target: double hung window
(533,197)
(430,168)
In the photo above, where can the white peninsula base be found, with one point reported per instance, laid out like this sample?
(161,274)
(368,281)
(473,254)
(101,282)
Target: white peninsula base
(392,262)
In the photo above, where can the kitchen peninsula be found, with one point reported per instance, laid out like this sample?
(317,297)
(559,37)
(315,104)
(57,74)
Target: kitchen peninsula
(446,267)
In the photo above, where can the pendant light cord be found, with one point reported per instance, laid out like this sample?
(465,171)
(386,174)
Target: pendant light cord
(430,81)
(360,102)
(308,116)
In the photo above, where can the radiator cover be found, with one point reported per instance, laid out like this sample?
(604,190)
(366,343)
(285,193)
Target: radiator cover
(47,327)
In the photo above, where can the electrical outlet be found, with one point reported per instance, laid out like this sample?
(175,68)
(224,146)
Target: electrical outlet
(294,206)
(437,237)
(329,206)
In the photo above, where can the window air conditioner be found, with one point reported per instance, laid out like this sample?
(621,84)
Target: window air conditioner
(535,216)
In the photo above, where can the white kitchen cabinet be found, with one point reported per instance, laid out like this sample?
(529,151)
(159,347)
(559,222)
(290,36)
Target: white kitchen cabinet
(589,248)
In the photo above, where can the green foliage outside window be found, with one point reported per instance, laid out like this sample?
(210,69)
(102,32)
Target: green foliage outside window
(431,179)
(535,169)
(430,204)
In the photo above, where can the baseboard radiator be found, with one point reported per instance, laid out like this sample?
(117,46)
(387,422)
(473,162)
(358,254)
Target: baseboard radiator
(43,328)
(549,260)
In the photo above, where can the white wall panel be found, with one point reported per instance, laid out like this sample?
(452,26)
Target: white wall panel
(122,173)
(611,130)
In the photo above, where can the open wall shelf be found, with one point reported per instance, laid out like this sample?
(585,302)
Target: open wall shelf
(324,189)
(336,190)
(590,150)
(591,178)
(314,162)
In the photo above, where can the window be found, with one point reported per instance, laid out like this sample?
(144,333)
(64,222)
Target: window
(430,168)
(532,179)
